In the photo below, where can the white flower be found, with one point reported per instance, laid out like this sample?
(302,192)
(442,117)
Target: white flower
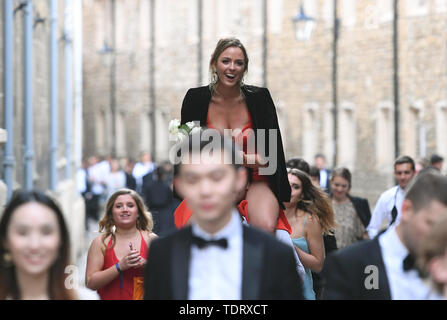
(178,132)
(173,126)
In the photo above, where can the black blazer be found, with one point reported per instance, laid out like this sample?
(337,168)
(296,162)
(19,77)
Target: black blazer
(268,267)
(345,272)
(263,114)
(361,206)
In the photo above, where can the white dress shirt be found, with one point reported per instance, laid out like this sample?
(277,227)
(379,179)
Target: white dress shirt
(404,285)
(215,273)
(140,170)
(323,178)
(383,208)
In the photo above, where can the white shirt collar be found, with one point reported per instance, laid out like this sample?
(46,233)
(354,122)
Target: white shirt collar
(233,226)
(393,244)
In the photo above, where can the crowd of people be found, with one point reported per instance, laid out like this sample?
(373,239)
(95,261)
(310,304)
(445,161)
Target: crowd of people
(98,179)
(213,226)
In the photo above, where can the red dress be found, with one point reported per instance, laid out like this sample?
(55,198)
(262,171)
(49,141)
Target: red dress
(242,139)
(183,213)
(132,278)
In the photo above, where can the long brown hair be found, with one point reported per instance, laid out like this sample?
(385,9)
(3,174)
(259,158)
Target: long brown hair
(221,46)
(144,220)
(315,201)
(56,281)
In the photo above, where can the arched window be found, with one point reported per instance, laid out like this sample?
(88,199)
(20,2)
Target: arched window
(328,133)
(346,136)
(310,130)
(121,134)
(384,135)
(441,127)
(414,131)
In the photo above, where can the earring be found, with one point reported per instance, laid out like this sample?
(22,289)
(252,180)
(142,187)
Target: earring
(242,83)
(7,258)
(214,77)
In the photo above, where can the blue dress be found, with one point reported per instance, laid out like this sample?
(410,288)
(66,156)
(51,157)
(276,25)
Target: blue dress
(308,285)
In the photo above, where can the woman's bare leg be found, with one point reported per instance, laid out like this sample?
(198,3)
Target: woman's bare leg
(263,207)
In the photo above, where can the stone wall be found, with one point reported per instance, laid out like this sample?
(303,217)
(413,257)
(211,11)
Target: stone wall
(66,192)
(299,75)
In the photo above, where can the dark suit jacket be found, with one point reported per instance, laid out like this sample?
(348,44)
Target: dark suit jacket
(361,206)
(345,272)
(268,267)
(263,114)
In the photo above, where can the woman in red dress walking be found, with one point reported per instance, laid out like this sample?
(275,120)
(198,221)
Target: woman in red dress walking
(116,258)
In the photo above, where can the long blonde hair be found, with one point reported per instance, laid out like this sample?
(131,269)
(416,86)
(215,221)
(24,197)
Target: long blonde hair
(144,220)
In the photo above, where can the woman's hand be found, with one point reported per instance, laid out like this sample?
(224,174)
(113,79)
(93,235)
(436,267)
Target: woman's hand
(254,161)
(131,260)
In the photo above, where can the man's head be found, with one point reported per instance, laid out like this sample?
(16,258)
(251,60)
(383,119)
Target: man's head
(404,170)
(424,205)
(210,178)
(298,163)
(436,161)
(320,161)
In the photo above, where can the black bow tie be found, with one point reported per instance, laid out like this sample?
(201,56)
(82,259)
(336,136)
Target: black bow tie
(201,243)
(409,263)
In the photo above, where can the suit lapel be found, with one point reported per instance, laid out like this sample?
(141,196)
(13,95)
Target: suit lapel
(251,266)
(204,105)
(384,291)
(181,252)
(249,100)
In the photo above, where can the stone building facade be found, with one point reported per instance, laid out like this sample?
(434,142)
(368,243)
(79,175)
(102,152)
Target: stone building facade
(65,191)
(162,48)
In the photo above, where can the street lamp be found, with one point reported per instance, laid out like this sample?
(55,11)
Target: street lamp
(303,25)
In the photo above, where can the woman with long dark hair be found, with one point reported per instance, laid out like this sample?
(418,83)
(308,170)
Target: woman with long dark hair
(310,215)
(34,250)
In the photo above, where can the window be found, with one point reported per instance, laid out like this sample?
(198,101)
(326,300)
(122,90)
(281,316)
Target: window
(145,136)
(441,127)
(348,13)
(414,131)
(328,133)
(417,8)
(384,135)
(328,13)
(101,131)
(120,143)
(440,6)
(275,16)
(346,136)
(310,130)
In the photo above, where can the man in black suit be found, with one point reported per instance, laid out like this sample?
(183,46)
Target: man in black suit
(218,257)
(383,268)
(325,174)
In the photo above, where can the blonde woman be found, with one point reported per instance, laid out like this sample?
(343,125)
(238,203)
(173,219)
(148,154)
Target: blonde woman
(116,258)
(228,103)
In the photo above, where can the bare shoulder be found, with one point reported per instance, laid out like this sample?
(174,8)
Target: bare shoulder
(98,244)
(149,236)
(314,222)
